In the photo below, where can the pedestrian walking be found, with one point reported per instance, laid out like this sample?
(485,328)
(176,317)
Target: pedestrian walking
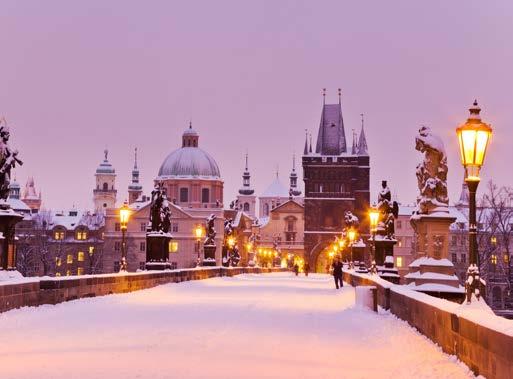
(306,267)
(296,269)
(337,273)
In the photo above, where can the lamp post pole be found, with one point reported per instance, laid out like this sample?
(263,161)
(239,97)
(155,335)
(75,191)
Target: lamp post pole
(473,138)
(124,215)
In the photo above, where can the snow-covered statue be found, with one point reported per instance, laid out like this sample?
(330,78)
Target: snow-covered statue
(160,212)
(388,209)
(431,173)
(8,160)
(211,231)
(351,220)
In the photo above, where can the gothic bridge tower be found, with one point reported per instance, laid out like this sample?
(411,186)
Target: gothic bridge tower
(335,181)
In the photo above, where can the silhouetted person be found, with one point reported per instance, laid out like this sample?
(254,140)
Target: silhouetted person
(306,267)
(296,269)
(337,273)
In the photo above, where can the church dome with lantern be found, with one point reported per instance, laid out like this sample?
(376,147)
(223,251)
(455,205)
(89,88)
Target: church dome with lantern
(189,161)
(190,175)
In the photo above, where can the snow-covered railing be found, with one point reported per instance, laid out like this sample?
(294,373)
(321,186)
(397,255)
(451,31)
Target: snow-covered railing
(473,332)
(48,290)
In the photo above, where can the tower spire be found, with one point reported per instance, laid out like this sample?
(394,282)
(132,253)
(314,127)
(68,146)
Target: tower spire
(354,149)
(305,151)
(323,96)
(339,96)
(310,150)
(362,141)
(135,159)
(293,191)
(246,177)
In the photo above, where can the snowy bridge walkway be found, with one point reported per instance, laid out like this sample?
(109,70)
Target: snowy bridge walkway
(250,326)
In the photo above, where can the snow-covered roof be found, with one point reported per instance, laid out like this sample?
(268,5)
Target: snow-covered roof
(72,219)
(263,221)
(428,261)
(18,205)
(276,189)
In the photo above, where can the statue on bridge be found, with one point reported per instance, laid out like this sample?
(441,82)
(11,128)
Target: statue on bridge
(389,210)
(8,160)
(431,173)
(160,213)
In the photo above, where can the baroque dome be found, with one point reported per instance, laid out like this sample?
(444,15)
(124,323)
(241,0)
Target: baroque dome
(189,161)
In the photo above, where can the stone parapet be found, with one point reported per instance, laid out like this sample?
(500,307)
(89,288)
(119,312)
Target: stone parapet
(35,292)
(485,344)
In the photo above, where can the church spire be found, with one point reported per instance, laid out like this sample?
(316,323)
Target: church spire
(362,141)
(134,188)
(293,178)
(246,178)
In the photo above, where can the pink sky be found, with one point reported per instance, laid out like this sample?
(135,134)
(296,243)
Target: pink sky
(76,77)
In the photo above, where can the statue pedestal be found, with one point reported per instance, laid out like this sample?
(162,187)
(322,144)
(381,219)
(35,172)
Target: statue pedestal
(209,255)
(384,247)
(157,251)
(432,272)
(432,234)
(8,220)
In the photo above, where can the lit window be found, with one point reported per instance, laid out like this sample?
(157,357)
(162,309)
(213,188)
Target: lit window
(58,235)
(58,261)
(69,259)
(68,272)
(506,258)
(399,261)
(81,235)
(80,256)
(173,246)
(91,250)
(80,271)
(493,240)
(494,259)
(57,274)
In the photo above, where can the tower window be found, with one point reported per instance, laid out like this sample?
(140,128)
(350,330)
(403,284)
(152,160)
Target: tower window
(105,186)
(205,195)
(184,195)
(266,209)
(246,207)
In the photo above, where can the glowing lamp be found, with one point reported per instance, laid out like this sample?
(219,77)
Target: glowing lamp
(198,232)
(352,235)
(341,243)
(231,242)
(374,218)
(124,215)
(473,138)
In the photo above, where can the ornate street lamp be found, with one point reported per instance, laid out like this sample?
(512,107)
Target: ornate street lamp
(374,219)
(473,138)
(124,216)
(199,232)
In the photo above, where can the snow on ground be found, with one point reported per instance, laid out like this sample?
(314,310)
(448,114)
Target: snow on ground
(249,326)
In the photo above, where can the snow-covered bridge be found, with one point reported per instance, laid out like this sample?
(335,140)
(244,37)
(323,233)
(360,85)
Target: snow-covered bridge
(248,326)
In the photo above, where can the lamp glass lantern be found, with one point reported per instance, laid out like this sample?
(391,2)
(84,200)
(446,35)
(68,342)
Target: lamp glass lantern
(473,138)
(374,218)
(124,215)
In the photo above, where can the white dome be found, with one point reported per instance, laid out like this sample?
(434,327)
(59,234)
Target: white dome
(189,162)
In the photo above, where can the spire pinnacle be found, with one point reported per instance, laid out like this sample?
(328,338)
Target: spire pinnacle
(310,150)
(324,96)
(135,159)
(106,153)
(246,161)
(339,96)
(355,146)
(305,151)
(362,141)
(293,162)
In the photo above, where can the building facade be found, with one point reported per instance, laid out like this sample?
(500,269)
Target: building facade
(105,192)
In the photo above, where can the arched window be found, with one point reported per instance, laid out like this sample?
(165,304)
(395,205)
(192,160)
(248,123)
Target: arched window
(105,186)
(246,207)
(266,209)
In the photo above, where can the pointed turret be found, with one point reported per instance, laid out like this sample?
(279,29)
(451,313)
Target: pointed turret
(464,199)
(362,141)
(135,188)
(305,151)
(354,149)
(294,191)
